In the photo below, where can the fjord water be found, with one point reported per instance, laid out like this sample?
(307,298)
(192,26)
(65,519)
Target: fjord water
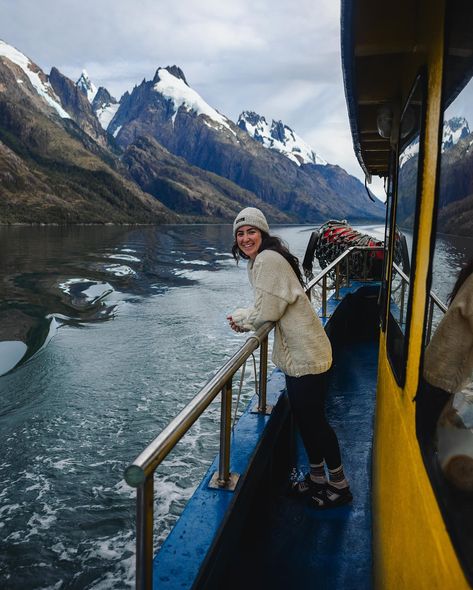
(116,369)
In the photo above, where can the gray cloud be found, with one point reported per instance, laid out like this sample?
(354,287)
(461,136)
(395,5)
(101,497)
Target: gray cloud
(279,58)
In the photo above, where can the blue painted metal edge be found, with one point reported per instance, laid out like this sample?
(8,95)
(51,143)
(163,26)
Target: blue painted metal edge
(179,560)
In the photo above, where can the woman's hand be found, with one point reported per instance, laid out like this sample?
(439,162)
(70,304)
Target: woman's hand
(234,326)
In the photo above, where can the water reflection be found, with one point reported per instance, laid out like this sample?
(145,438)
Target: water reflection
(80,274)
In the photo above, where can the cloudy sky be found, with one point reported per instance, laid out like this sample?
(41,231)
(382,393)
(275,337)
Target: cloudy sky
(277,57)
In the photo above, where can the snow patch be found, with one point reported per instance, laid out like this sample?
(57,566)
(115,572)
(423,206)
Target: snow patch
(279,137)
(87,86)
(44,89)
(182,95)
(106,113)
(453,130)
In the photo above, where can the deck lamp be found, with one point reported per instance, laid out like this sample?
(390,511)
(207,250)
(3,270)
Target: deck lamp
(384,120)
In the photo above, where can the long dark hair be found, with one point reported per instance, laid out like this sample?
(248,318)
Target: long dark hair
(462,276)
(272,243)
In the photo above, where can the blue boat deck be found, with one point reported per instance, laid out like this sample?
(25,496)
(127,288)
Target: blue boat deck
(332,548)
(259,536)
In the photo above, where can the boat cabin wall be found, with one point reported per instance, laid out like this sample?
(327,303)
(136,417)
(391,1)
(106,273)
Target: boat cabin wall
(415,540)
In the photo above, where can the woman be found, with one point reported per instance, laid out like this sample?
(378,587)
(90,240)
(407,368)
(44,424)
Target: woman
(448,362)
(301,350)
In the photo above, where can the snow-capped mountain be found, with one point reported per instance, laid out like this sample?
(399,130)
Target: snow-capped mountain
(172,97)
(172,84)
(105,106)
(56,165)
(454,129)
(35,75)
(85,84)
(170,114)
(279,137)
(169,142)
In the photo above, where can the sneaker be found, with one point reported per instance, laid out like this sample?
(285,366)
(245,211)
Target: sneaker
(305,487)
(331,497)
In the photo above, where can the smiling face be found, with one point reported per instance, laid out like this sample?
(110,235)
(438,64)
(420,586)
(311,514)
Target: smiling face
(249,240)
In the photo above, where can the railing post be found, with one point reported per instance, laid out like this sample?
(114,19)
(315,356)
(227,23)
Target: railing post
(324,296)
(403,291)
(337,282)
(348,268)
(429,320)
(225,432)
(144,535)
(223,479)
(263,375)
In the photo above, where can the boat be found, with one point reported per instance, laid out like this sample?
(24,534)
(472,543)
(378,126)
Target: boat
(406,65)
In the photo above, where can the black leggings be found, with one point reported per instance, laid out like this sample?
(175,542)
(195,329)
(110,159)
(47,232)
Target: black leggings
(307,399)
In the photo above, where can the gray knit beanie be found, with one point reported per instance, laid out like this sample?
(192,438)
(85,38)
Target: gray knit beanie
(251,216)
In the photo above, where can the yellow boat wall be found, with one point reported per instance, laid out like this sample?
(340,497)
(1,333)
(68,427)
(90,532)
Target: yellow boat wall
(412,548)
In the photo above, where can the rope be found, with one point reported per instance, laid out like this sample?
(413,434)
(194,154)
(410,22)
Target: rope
(256,379)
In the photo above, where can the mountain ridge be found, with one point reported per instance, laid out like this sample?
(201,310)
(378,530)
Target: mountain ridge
(199,163)
(188,128)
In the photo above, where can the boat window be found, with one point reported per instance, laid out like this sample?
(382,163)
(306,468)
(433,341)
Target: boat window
(453,241)
(444,421)
(387,233)
(404,221)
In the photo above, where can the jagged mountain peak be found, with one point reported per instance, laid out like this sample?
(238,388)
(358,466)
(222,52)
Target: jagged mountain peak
(279,137)
(454,129)
(105,107)
(251,117)
(103,95)
(174,71)
(171,83)
(85,84)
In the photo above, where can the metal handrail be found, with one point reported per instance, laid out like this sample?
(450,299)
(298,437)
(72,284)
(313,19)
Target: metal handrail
(399,270)
(433,301)
(335,265)
(146,463)
(140,473)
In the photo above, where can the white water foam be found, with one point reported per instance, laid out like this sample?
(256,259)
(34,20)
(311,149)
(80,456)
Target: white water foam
(126,257)
(11,353)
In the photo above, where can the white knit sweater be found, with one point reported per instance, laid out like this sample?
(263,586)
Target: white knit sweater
(448,361)
(301,346)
